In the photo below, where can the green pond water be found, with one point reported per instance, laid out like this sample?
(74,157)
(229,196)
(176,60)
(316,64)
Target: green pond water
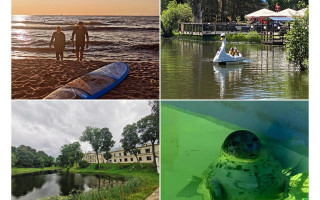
(190,142)
(188,72)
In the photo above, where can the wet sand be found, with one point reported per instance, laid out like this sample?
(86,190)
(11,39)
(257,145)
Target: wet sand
(36,78)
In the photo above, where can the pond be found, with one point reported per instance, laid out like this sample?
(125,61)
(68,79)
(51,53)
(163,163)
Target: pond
(188,72)
(44,184)
(192,133)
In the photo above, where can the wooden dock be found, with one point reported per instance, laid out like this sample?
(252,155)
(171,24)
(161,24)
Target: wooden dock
(272,38)
(209,29)
(270,34)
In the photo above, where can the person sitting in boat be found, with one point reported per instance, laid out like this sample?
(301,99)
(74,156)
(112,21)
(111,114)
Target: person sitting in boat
(235,52)
(231,51)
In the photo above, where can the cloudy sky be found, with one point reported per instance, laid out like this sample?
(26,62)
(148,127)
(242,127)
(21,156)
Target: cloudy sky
(47,125)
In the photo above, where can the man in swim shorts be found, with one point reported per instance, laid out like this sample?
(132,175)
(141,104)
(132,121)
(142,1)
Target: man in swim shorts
(81,34)
(59,43)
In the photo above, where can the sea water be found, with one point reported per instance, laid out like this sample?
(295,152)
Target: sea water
(121,38)
(192,134)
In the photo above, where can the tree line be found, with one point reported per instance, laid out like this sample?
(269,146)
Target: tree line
(26,156)
(144,131)
(198,11)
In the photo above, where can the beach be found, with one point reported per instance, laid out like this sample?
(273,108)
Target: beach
(36,78)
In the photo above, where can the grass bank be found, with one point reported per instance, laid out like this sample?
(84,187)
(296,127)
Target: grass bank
(251,37)
(16,170)
(140,183)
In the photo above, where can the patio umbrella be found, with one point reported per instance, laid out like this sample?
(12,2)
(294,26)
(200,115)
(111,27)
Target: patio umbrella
(287,13)
(262,13)
(301,12)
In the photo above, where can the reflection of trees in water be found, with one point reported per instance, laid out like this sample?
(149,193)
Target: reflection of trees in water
(102,181)
(73,182)
(67,182)
(299,81)
(23,184)
(70,183)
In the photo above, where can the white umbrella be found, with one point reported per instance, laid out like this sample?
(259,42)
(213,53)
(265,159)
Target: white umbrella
(301,12)
(262,13)
(287,13)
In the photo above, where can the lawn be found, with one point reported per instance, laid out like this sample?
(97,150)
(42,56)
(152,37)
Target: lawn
(16,170)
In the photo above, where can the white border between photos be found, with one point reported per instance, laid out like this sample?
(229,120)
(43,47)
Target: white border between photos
(5,140)
(5,105)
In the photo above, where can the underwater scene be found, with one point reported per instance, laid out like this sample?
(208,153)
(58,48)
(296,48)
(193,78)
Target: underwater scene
(234,150)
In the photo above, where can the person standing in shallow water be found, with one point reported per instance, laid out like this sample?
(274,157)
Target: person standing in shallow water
(59,43)
(81,34)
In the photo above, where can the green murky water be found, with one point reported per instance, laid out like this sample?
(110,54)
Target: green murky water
(188,72)
(190,142)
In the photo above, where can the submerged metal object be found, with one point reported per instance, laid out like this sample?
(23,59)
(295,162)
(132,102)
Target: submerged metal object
(244,170)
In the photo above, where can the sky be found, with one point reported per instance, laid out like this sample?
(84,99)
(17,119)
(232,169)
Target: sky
(48,125)
(85,7)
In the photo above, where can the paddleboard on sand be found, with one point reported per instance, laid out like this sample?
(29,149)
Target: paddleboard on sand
(93,84)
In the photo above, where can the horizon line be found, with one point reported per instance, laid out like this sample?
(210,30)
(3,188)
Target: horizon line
(92,15)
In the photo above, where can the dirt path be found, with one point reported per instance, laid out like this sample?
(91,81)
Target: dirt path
(154,195)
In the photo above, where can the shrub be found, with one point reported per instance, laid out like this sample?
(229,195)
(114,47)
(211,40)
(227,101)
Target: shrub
(298,41)
(174,14)
(253,36)
(83,164)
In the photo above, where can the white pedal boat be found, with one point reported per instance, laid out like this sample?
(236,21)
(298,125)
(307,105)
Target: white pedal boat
(224,58)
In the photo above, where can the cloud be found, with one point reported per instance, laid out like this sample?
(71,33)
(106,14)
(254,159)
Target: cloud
(47,125)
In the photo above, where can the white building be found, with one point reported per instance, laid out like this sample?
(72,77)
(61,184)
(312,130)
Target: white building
(118,155)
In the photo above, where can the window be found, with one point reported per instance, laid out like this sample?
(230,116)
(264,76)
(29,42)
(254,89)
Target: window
(149,158)
(140,159)
(131,159)
(114,155)
(120,160)
(125,160)
(115,160)
(125,153)
(139,152)
(147,150)
(119,154)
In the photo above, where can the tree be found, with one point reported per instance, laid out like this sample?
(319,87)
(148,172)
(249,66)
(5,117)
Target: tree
(174,14)
(148,128)
(284,4)
(14,159)
(197,9)
(107,155)
(131,140)
(210,10)
(164,3)
(240,8)
(26,156)
(70,154)
(298,41)
(100,140)
(83,164)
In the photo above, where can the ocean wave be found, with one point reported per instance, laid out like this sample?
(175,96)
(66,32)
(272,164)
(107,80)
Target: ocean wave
(59,23)
(90,28)
(153,47)
(94,46)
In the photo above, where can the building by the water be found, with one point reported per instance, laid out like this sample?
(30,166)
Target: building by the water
(91,157)
(119,156)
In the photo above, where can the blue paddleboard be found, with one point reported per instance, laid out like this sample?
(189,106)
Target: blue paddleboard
(94,84)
